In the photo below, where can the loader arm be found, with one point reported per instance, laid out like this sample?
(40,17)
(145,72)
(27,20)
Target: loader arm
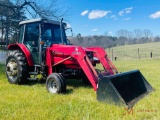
(104,59)
(79,55)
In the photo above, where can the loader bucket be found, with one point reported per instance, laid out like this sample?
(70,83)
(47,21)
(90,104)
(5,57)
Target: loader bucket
(124,89)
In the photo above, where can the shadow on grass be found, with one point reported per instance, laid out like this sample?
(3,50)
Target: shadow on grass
(75,83)
(72,83)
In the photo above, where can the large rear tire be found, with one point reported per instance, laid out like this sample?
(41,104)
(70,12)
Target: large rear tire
(55,84)
(16,67)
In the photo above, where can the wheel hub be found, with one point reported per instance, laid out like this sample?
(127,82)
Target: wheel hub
(52,86)
(12,68)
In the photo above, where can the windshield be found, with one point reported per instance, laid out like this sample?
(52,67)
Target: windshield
(51,34)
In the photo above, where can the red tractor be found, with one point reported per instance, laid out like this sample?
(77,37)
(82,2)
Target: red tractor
(43,49)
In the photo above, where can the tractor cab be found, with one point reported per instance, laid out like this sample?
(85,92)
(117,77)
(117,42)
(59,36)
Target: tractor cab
(38,34)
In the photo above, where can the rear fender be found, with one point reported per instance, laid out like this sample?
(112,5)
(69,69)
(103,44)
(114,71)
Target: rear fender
(24,49)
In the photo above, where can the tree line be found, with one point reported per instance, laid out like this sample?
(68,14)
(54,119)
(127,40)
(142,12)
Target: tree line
(122,37)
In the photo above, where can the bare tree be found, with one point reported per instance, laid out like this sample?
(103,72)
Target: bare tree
(124,36)
(137,33)
(79,38)
(8,19)
(147,33)
(52,9)
(122,33)
(14,11)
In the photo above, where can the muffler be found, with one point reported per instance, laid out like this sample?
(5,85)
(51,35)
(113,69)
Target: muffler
(123,89)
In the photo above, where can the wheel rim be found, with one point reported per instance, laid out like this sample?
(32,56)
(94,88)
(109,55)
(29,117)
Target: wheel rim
(12,69)
(52,85)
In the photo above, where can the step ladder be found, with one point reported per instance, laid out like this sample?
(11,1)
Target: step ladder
(34,73)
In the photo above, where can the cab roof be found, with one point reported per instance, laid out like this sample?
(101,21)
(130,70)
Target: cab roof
(40,20)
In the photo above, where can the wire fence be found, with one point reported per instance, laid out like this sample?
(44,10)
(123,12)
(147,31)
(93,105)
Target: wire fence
(133,54)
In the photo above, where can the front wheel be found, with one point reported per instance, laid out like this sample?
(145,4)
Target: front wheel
(55,84)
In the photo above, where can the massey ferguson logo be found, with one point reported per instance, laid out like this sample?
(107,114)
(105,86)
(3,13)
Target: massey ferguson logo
(76,51)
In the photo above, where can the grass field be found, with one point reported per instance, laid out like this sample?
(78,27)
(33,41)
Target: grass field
(33,102)
(136,51)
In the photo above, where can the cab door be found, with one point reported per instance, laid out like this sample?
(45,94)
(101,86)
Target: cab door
(31,40)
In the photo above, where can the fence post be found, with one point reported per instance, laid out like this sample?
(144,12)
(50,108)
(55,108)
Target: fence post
(151,54)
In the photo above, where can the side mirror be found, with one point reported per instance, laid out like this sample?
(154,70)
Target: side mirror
(69,32)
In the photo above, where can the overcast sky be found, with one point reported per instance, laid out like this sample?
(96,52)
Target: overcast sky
(90,17)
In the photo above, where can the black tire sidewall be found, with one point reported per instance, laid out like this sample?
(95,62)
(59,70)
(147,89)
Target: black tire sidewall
(22,67)
(63,82)
(16,81)
(54,77)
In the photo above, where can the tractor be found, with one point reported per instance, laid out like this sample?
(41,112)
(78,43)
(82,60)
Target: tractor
(43,49)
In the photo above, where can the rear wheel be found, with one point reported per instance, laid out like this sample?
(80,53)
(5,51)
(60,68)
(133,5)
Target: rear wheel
(55,83)
(16,67)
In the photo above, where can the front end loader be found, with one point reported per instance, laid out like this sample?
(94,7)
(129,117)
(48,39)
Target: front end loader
(43,49)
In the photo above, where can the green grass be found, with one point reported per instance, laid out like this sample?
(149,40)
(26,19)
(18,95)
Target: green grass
(130,52)
(32,101)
